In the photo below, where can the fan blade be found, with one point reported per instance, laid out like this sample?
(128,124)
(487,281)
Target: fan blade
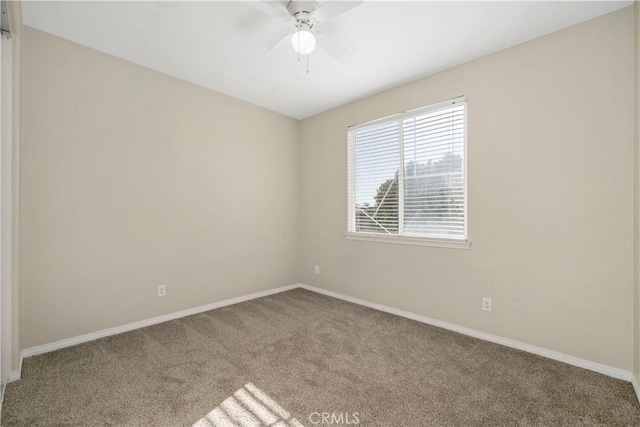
(273,47)
(277,9)
(331,9)
(333,48)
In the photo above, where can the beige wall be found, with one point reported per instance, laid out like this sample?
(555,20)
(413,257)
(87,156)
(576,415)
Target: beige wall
(15,17)
(131,179)
(551,182)
(636,206)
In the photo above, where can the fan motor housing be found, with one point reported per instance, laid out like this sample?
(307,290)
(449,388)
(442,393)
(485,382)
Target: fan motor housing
(302,10)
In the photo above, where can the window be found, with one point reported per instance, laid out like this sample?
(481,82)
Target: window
(407,177)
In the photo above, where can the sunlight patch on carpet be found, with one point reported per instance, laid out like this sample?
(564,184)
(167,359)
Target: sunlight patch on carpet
(248,407)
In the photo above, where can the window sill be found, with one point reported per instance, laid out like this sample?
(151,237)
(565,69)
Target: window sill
(410,240)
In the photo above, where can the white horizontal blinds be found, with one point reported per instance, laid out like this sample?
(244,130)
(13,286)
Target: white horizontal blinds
(376,149)
(413,165)
(434,176)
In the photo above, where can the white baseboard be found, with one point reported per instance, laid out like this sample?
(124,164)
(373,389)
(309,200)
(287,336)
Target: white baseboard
(636,386)
(46,348)
(571,360)
(561,357)
(17,374)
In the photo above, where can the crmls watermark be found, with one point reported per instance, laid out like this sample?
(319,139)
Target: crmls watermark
(334,418)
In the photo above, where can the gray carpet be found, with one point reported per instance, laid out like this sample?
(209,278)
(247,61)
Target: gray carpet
(300,358)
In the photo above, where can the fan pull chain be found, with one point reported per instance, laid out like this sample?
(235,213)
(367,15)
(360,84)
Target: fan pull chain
(308,64)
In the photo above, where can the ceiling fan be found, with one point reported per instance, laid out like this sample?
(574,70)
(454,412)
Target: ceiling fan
(306,17)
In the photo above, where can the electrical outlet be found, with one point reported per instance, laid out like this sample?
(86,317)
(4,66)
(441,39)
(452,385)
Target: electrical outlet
(486,304)
(162,290)
(317,269)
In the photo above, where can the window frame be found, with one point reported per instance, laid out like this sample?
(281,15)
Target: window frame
(405,238)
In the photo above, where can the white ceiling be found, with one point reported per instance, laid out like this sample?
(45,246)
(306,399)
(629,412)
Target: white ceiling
(219,44)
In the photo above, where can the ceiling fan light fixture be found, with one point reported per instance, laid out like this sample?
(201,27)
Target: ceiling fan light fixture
(303,41)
